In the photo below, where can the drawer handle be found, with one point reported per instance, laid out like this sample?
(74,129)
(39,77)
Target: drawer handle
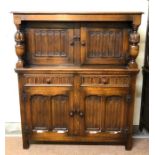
(48,81)
(105,80)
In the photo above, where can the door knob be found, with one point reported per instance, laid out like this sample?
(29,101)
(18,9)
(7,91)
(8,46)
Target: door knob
(81,114)
(71,113)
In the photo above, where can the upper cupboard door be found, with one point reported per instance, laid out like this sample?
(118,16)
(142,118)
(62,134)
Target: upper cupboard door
(49,43)
(104,43)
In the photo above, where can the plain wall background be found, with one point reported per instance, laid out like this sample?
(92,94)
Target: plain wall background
(8,82)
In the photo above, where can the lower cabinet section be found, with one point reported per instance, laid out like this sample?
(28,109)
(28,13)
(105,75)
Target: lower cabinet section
(75,112)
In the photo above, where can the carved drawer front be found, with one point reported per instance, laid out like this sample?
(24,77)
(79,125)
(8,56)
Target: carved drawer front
(105,80)
(49,79)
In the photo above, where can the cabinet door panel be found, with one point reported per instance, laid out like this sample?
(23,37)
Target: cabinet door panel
(47,111)
(51,45)
(101,45)
(103,111)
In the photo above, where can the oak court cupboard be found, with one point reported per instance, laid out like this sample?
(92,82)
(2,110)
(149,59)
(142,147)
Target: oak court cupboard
(77,75)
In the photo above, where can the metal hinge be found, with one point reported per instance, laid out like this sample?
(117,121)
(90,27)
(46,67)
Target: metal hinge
(128,98)
(24,97)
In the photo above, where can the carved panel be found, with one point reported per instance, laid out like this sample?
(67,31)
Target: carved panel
(105,113)
(48,42)
(48,79)
(40,112)
(115,113)
(51,46)
(105,81)
(106,43)
(93,112)
(49,112)
(59,112)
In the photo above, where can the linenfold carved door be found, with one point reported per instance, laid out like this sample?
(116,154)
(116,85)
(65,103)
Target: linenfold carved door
(104,110)
(47,109)
(101,44)
(51,45)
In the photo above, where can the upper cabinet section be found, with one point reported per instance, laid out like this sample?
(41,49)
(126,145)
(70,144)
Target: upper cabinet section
(77,38)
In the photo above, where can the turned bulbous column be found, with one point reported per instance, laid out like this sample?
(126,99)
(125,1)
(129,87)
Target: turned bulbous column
(134,39)
(20,47)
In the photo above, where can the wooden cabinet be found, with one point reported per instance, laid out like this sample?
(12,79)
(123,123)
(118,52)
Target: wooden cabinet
(77,74)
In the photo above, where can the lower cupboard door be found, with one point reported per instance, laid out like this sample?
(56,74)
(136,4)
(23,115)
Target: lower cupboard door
(103,112)
(47,110)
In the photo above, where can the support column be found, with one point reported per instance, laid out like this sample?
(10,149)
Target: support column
(20,47)
(134,39)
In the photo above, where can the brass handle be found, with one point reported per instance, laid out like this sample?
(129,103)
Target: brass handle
(105,80)
(48,80)
(83,43)
(71,113)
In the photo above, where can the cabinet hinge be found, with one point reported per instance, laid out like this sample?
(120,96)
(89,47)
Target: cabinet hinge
(24,97)
(128,98)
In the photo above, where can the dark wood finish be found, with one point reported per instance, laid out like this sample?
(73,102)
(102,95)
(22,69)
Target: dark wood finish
(77,74)
(144,117)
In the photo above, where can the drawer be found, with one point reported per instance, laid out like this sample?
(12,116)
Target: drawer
(105,80)
(48,79)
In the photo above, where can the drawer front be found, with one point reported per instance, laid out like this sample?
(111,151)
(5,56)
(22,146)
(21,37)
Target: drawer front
(49,79)
(105,80)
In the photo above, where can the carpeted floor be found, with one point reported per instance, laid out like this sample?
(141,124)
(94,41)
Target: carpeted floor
(13,146)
